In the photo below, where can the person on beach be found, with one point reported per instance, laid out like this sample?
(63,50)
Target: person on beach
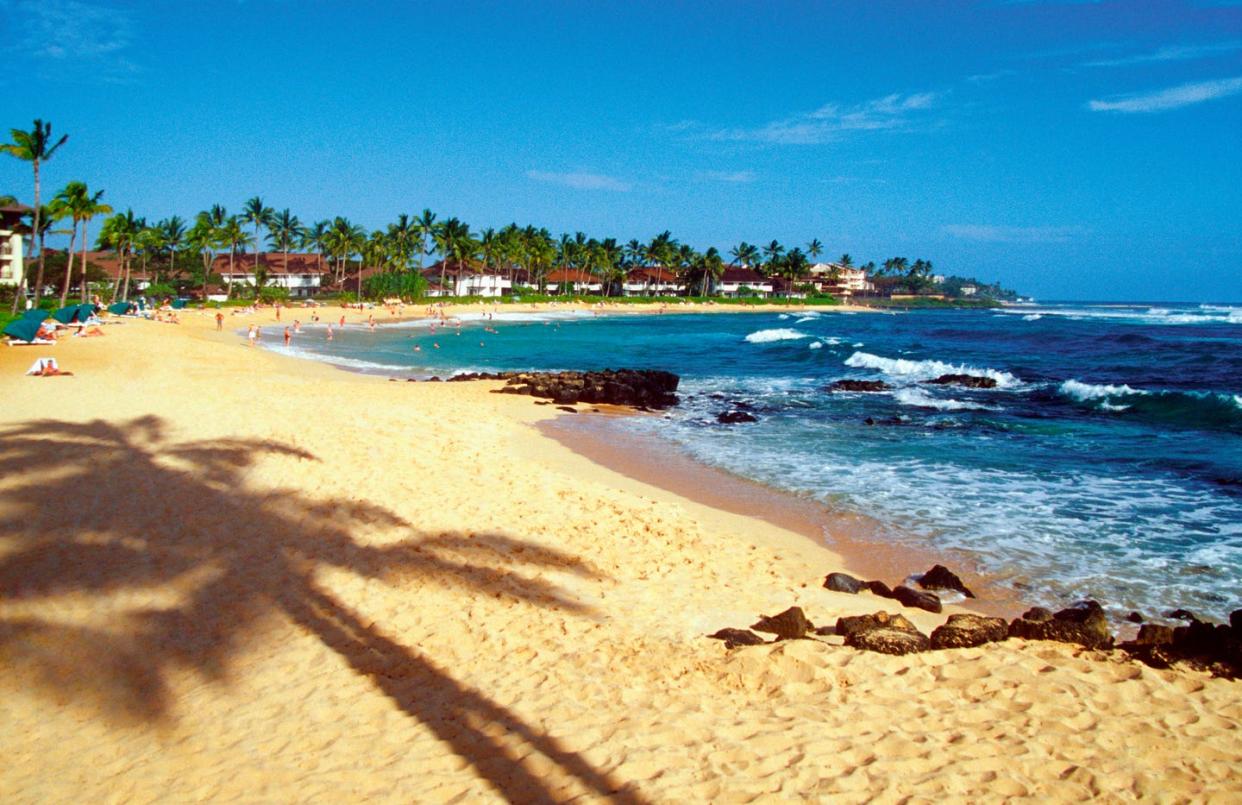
(219,321)
(251,334)
(297,326)
(277,311)
(288,336)
(342,322)
(329,332)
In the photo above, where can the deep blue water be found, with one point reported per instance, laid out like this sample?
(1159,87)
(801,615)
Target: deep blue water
(1107,462)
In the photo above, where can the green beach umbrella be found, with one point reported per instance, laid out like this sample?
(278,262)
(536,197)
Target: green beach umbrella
(65,314)
(36,313)
(86,311)
(119,308)
(178,304)
(23,329)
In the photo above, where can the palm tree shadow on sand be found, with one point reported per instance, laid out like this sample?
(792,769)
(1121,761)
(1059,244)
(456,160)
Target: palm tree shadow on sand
(72,528)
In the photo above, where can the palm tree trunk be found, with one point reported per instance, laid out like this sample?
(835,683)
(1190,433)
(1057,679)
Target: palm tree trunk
(83,260)
(64,289)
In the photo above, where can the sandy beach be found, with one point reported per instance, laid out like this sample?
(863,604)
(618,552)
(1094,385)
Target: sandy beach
(227,574)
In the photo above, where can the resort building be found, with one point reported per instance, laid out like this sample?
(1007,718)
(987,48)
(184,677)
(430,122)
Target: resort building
(850,279)
(574,282)
(652,281)
(741,281)
(467,281)
(300,274)
(12,261)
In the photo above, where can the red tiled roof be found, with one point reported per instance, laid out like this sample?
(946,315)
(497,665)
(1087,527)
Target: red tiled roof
(744,276)
(274,262)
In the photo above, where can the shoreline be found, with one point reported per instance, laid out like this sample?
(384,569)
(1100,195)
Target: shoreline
(225,574)
(852,537)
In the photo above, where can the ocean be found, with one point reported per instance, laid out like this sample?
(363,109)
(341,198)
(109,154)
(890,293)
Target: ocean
(1106,463)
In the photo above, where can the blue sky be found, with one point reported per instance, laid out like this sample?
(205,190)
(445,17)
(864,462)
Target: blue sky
(1088,150)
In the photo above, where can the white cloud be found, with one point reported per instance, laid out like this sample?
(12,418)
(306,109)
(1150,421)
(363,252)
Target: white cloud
(1170,53)
(987,78)
(63,29)
(984,233)
(580,180)
(737,177)
(831,121)
(1172,98)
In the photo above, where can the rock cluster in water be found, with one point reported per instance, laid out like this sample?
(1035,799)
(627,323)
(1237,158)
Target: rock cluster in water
(638,388)
(969,381)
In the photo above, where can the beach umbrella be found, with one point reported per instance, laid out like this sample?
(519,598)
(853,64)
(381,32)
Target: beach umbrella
(178,304)
(85,311)
(65,314)
(22,329)
(119,308)
(36,313)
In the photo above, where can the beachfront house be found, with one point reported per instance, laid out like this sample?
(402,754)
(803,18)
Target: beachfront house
(300,274)
(652,281)
(467,280)
(573,281)
(850,280)
(12,262)
(743,281)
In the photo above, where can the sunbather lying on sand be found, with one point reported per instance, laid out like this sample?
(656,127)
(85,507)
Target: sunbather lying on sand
(46,367)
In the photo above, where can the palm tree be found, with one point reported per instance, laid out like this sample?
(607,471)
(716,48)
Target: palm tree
(712,265)
(173,230)
(205,237)
(375,253)
(661,251)
(118,233)
(773,250)
(80,204)
(315,237)
(401,237)
(745,254)
(232,234)
(284,229)
(47,216)
(253,212)
(34,146)
(149,241)
(426,230)
(845,260)
(814,248)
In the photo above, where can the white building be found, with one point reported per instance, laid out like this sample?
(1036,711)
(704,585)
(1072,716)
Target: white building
(300,275)
(12,257)
(737,280)
(489,283)
(850,280)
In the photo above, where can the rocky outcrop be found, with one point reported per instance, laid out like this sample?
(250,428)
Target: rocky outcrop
(967,631)
(941,578)
(1212,647)
(883,633)
(738,637)
(1083,623)
(969,381)
(859,385)
(734,417)
(843,583)
(639,388)
(788,625)
(910,597)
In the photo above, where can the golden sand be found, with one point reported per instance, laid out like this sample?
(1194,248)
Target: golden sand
(230,575)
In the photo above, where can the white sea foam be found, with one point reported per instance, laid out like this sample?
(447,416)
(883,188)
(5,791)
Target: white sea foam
(918,398)
(1033,317)
(926,370)
(1085,392)
(815,345)
(1107,406)
(778,334)
(783,316)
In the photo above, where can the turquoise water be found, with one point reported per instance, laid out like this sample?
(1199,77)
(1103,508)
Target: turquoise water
(1107,462)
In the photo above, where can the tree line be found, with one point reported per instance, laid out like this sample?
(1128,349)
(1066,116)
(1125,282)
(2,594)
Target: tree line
(396,253)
